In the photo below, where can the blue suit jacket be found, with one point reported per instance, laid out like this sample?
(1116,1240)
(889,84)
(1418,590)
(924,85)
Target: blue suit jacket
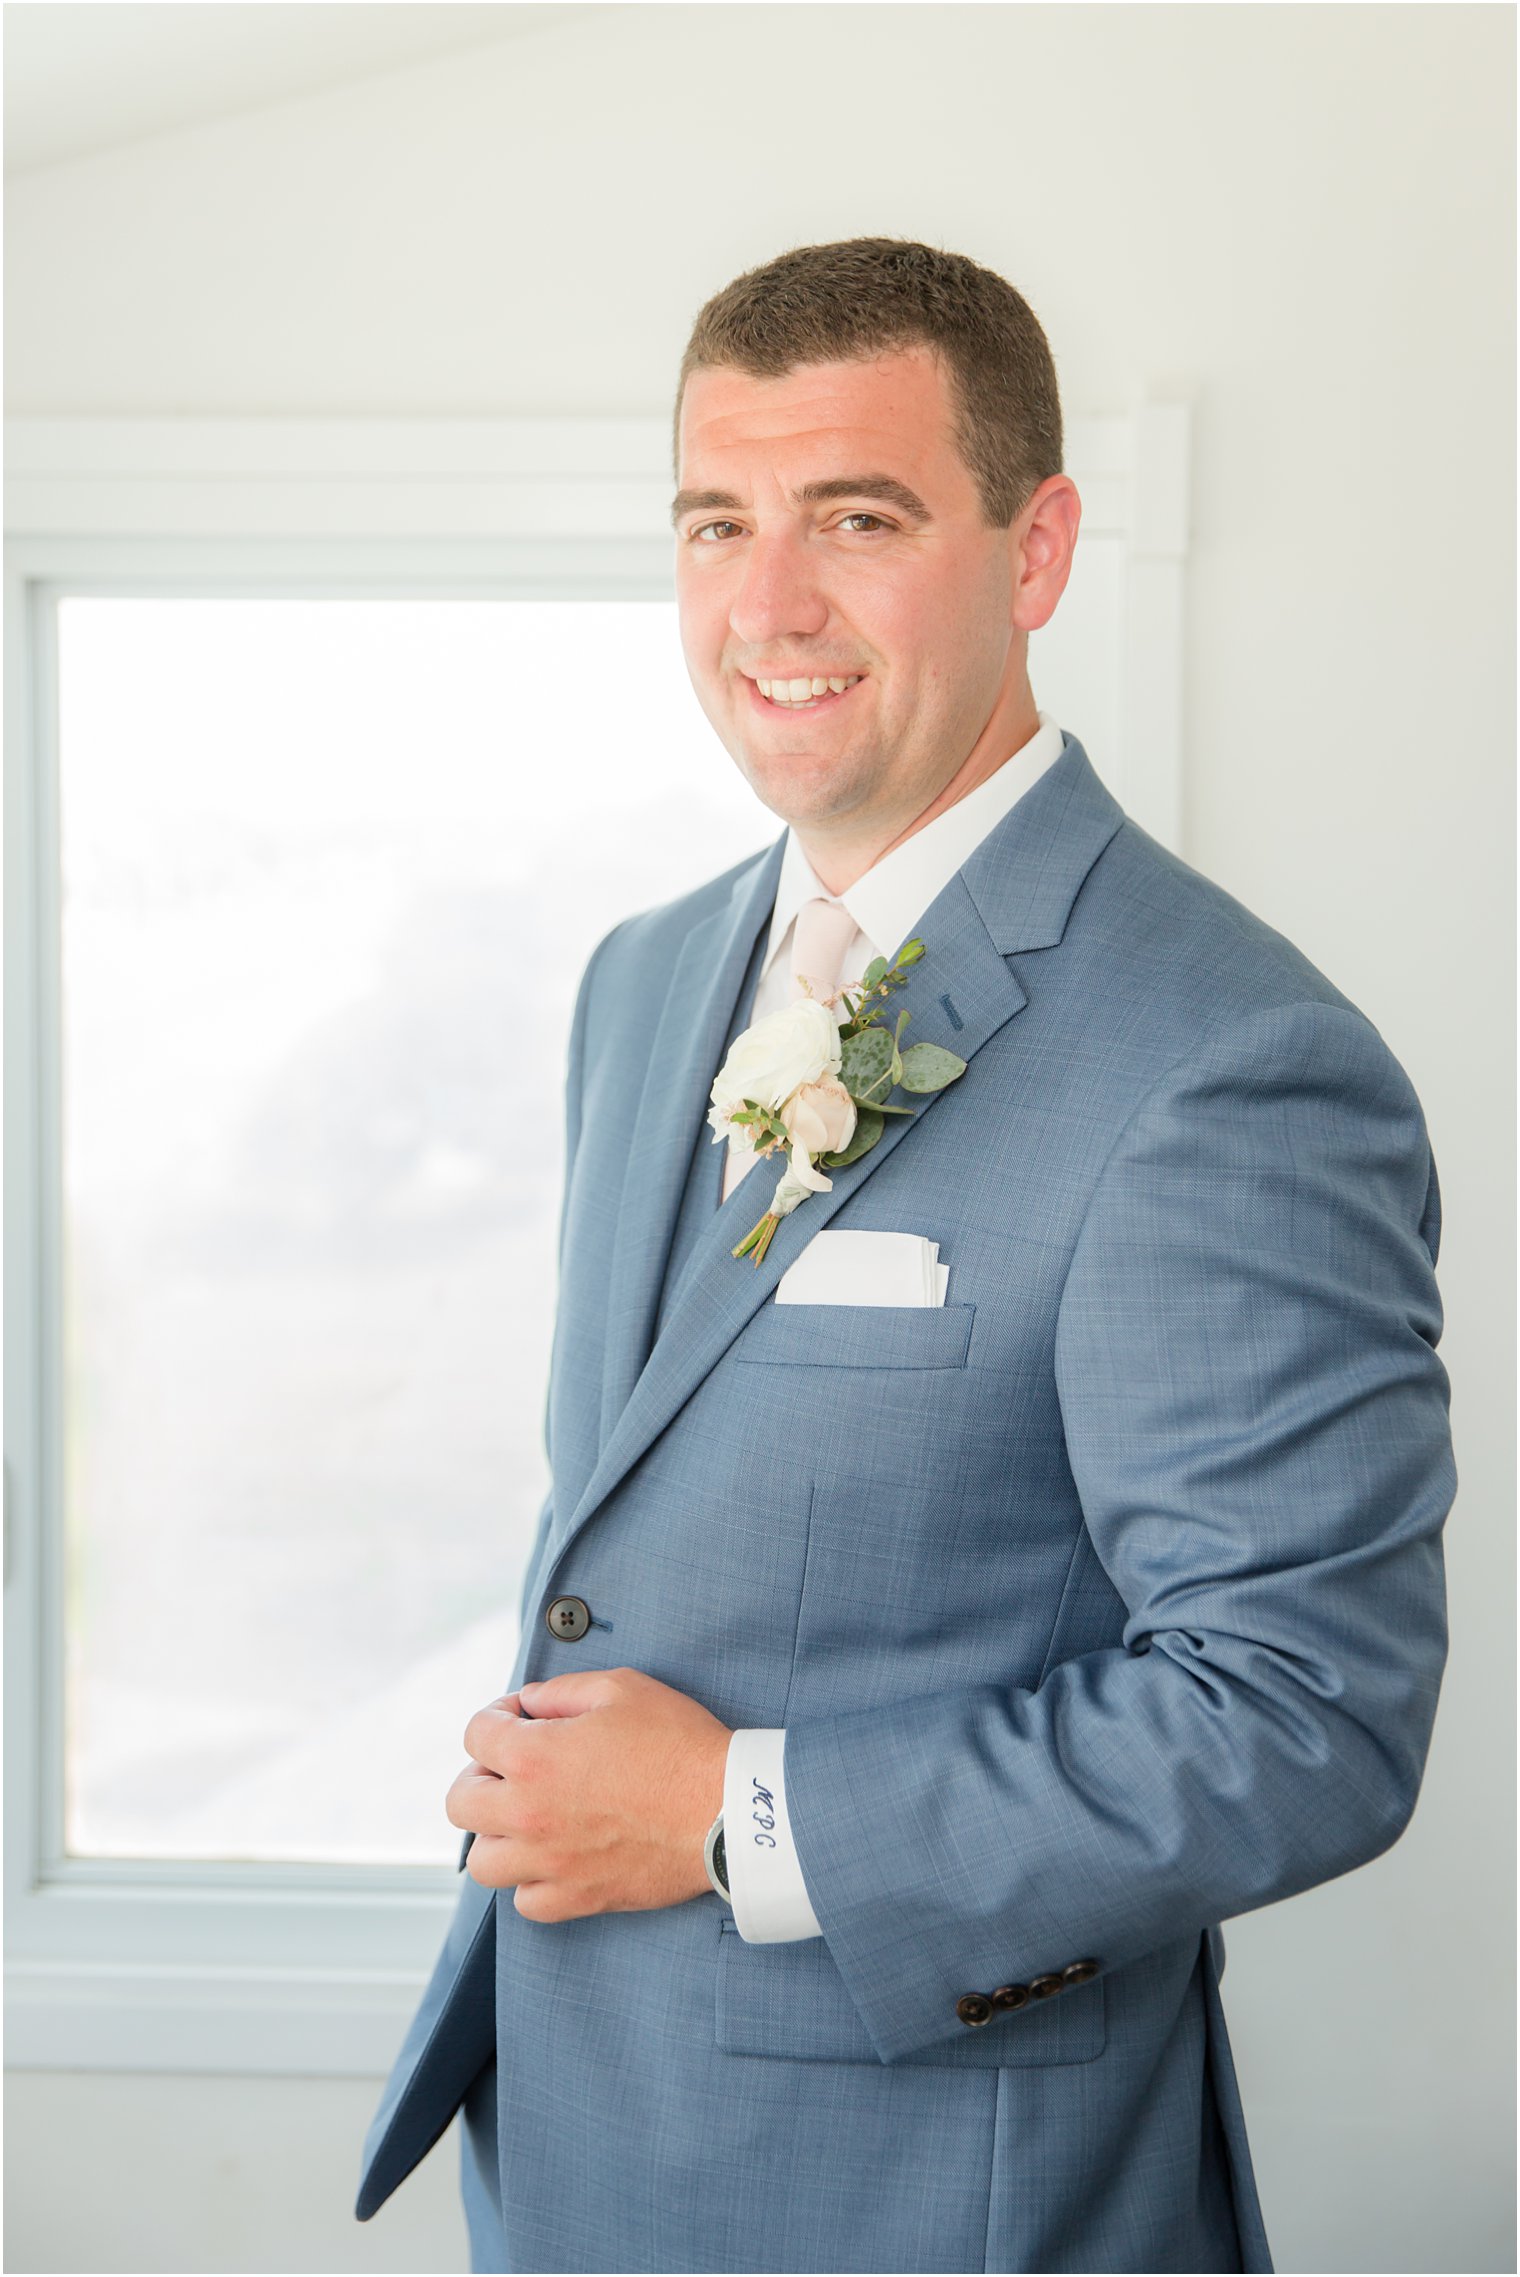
(1100,1605)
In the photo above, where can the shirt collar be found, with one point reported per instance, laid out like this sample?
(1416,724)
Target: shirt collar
(888,899)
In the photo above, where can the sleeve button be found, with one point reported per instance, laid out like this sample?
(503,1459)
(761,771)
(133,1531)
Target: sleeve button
(1011,1996)
(1080,1972)
(973,2008)
(1041,1988)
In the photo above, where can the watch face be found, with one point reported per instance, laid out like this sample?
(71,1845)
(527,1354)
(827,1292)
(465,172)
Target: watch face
(720,1859)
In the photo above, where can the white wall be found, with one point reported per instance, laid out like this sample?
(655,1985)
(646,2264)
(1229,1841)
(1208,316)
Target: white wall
(1302,219)
(159,2174)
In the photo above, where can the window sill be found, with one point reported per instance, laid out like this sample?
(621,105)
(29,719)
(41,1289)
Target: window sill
(96,2016)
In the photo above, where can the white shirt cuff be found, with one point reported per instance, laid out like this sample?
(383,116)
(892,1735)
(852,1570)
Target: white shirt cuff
(766,1889)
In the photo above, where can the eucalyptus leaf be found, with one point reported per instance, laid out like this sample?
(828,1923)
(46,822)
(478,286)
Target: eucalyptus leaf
(874,971)
(929,1067)
(868,1129)
(865,1060)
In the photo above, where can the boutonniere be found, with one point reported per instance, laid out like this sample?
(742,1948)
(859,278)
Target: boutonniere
(813,1080)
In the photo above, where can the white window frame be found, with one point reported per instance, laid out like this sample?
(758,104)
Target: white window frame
(287,1969)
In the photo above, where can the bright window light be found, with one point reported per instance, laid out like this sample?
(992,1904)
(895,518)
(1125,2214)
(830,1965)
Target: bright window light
(331,871)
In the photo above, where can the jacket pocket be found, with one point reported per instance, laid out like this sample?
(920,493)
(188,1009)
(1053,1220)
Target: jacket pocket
(857,1336)
(789,2000)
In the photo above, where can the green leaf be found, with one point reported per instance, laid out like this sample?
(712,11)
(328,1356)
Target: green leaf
(928,1067)
(874,971)
(866,1062)
(761,1124)
(868,1129)
(909,953)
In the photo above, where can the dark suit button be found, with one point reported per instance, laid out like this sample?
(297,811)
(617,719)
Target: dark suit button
(1011,1996)
(973,2008)
(1041,1988)
(1080,1972)
(568,1619)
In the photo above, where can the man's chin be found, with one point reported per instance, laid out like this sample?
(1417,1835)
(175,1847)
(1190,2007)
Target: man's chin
(803,787)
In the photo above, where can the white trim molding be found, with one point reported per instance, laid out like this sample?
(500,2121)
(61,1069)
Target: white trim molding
(287,1969)
(548,506)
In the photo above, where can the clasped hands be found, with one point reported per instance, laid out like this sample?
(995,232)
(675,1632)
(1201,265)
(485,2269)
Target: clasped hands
(598,1800)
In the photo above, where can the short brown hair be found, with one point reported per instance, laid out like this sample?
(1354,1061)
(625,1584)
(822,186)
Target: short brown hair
(847,301)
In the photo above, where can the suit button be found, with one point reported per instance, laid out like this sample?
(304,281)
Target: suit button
(973,2008)
(1011,1996)
(568,1618)
(1041,1988)
(1080,1972)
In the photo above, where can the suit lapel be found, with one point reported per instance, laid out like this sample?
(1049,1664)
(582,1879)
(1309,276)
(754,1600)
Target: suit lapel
(671,1122)
(1014,892)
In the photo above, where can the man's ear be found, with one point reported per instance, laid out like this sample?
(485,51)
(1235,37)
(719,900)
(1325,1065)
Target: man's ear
(1044,538)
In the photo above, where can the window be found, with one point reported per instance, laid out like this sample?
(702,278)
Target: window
(330,872)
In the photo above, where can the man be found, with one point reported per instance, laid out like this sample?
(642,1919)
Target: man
(1017,1639)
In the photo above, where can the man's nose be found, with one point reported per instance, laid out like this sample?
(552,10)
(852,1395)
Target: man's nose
(780,594)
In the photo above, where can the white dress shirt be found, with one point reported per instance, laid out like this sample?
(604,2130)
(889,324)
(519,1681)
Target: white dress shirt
(769,1896)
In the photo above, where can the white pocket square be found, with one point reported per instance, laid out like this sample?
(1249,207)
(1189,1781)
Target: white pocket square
(849,1268)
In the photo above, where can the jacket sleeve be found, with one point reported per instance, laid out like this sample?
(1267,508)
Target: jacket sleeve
(1257,1424)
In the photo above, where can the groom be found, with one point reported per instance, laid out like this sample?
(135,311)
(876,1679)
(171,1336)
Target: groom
(1018,1638)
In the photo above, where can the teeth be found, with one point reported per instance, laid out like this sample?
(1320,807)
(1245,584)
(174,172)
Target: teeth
(803,691)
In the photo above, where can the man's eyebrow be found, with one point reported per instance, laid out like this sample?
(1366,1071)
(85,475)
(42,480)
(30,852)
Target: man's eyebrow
(884,487)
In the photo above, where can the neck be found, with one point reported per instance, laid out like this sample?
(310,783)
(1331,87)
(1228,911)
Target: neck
(858,842)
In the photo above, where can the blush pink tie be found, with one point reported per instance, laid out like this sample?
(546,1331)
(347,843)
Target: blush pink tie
(823,930)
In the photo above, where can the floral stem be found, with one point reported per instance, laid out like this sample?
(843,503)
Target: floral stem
(757,1239)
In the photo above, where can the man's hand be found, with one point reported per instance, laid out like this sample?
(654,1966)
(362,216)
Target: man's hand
(599,1804)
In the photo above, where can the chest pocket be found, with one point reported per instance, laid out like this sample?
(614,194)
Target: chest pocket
(857,1336)
(789,2000)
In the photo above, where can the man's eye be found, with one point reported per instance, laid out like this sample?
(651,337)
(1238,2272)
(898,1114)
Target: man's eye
(706,526)
(862,516)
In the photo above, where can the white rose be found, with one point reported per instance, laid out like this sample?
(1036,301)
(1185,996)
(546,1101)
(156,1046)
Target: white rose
(787,1049)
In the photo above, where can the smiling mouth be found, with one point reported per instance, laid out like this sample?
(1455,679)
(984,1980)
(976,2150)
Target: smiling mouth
(799,695)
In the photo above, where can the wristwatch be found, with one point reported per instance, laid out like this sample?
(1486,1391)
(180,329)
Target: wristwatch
(715,1859)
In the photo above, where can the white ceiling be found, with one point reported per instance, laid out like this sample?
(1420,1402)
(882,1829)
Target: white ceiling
(86,75)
